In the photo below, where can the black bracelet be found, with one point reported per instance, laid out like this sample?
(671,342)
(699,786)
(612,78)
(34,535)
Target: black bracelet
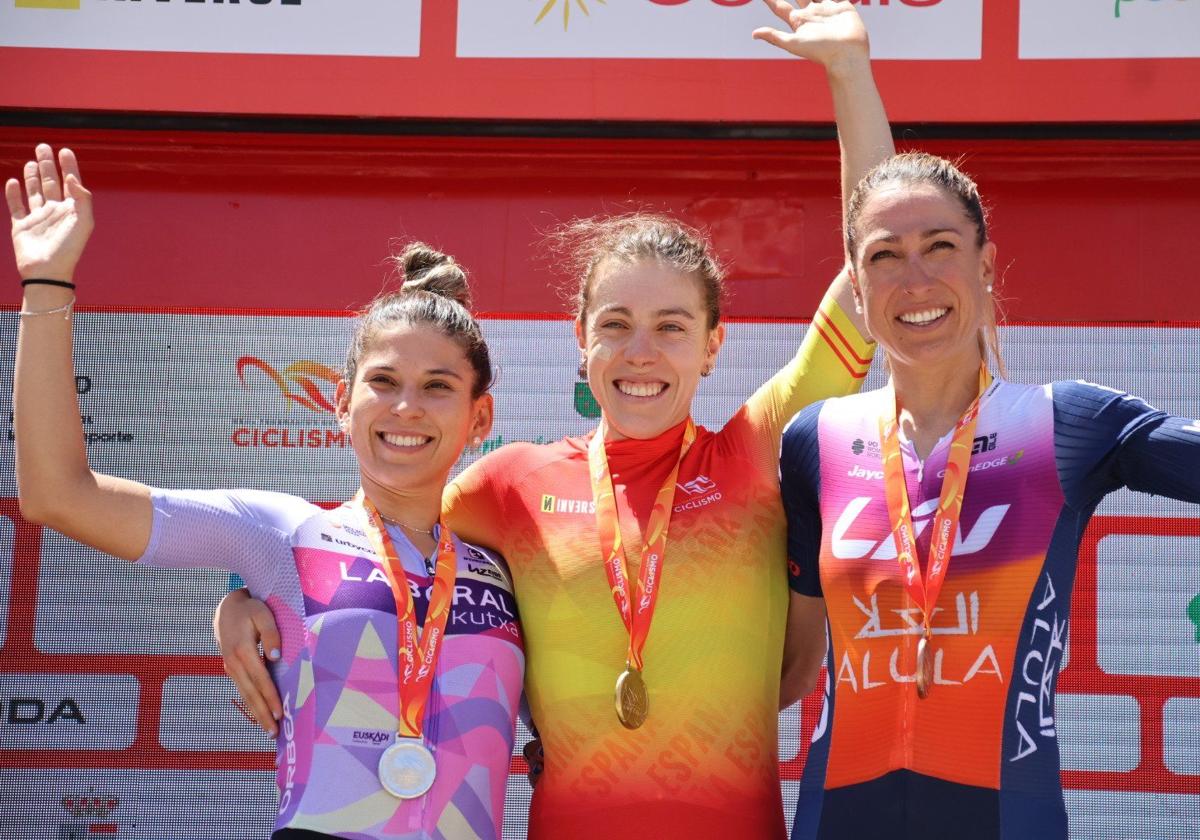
(37,281)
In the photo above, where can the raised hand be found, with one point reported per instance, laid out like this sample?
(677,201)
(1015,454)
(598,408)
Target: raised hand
(51,217)
(823,31)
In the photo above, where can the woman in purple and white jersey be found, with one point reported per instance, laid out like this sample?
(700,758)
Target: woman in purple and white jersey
(377,740)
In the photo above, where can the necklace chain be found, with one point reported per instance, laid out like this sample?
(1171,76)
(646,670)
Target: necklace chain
(405,526)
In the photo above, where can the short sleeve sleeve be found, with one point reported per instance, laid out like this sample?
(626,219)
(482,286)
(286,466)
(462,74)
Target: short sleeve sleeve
(243,531)
(832,361)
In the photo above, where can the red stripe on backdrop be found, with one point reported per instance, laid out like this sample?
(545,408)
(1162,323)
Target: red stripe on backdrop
(999,88)
(1088,232)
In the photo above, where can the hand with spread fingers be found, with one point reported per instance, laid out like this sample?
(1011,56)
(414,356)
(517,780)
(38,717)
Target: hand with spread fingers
(826,32)
(51,215)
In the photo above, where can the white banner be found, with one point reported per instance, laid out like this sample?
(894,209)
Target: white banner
(68,711)
(907,29)
(280,27)
(1110,29)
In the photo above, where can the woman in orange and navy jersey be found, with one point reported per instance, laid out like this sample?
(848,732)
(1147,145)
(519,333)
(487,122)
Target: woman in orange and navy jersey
(658,710)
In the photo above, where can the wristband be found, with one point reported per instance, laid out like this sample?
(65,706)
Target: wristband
(38,281)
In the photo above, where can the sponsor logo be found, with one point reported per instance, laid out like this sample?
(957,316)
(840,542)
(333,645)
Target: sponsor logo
(698,486)
(991,464)
(859,471)
(90,813)
(329,538)
(585,401)
(373,737)
(986,443)
(1033,712)
(553,504)
(846,548)
(1193,613)
(30,711)
(298,383)
(703,492)
(486,570)
(305,383)
(91,435)
(492,444)
(47,4)
(287,780)
(861,675)
(858,446)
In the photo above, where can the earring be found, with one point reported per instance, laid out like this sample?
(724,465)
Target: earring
(706,370)
(858,308)
(476,442)
(989,288)
(582,368)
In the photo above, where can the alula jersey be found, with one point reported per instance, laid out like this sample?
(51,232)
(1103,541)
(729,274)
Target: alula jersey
(979,756)
(337,676)
(705,763)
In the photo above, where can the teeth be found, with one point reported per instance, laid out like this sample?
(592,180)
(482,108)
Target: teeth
(406,440)
(923,317)
(641,389)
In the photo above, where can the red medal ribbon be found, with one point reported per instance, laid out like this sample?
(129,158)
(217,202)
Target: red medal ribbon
(945,524)
(636,611)
(416,658)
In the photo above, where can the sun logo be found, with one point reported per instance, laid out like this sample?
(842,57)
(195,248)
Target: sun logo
(582,5)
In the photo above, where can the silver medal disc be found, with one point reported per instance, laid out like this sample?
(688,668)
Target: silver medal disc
(407,769)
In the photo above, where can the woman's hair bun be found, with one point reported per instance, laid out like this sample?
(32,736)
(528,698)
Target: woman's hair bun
(425,269)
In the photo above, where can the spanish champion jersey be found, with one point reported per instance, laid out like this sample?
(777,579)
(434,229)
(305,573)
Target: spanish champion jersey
(705,763)
(337,676)
(978,757)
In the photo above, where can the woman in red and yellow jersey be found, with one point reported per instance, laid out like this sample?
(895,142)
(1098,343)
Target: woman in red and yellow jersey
(654,652)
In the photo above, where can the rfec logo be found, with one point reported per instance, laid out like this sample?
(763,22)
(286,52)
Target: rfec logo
(298,382)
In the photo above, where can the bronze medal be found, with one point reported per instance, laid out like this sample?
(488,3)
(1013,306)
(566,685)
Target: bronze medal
(633,701)
(924,666)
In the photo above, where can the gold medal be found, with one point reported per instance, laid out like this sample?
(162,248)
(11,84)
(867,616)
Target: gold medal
(924,665)
(633,701)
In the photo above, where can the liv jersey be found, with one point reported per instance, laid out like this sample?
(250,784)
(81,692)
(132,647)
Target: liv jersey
(317,571)
(979,756)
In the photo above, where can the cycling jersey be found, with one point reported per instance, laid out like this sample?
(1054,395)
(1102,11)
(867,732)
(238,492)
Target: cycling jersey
(337,676)
(705,764)
(979,756)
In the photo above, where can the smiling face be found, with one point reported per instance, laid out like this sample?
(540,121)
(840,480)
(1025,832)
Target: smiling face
(647,341)
(922,277)
(409,410)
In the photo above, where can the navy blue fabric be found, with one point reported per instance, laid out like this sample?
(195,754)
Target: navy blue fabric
(800,483)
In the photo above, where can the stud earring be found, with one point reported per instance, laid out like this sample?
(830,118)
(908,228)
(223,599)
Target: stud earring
(858,308)
(476,441)
(989,288)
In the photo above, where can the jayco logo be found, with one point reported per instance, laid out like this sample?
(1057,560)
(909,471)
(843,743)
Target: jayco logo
(974,541)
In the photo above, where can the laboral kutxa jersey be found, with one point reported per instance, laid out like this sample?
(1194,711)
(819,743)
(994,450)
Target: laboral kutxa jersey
(704,763)
(978,756)
(327,585)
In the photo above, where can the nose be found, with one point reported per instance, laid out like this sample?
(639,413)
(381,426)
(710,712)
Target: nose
(917,278)
(640,348)
(407,403)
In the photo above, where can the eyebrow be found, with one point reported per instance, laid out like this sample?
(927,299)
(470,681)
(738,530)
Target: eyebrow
(675,311)
(428,372)
(924,235)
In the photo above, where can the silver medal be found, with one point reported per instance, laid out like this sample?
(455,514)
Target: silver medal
(407,768)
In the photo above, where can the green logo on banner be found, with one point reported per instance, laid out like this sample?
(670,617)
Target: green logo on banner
(585,401)
(1194,615)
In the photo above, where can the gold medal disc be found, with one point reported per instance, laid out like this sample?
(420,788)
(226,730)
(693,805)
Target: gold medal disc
(924,667)
(633,701)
